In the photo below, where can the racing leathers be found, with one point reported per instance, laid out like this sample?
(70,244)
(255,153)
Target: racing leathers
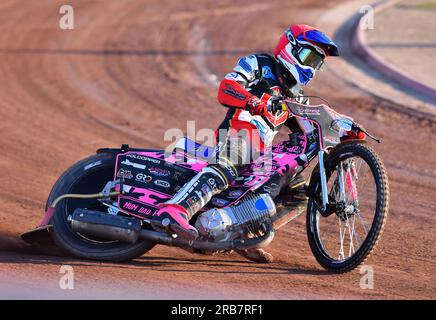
(251,91)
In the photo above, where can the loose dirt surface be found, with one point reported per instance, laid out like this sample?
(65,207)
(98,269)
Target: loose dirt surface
(131,70)
(397,47)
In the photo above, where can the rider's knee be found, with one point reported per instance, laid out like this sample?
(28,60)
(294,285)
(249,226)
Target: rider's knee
(224,170)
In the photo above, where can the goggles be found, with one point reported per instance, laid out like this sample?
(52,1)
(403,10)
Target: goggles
(310,57)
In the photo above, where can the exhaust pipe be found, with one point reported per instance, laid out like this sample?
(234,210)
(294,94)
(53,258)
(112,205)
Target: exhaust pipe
(105,226)
(241,244)
(125,229)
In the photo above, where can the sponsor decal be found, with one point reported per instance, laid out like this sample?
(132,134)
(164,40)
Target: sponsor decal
(234,194)
(159,172)
(143,178)
(161,183)
(267,73)
(127,174)
(232,92)
(130,206)
(331,139)
(206,189)
(135,208)
(312,110)
(219,202)
(211,182)
(143,158)
(231,170)
(127,162)
(199,194)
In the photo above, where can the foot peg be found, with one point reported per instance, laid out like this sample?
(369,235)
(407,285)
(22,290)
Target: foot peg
(186,234)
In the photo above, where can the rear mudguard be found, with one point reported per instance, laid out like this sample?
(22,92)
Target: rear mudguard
(124,148)
(40,234)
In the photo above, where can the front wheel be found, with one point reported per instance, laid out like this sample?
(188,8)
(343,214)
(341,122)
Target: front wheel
(358,190)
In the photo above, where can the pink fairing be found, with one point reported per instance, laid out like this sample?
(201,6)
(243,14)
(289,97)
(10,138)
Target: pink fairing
(47,216)
(261,170)
(351,185)
(256,178)
(282,161)
(147,195)
(178,159)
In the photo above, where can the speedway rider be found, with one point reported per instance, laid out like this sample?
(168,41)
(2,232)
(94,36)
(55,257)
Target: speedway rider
(253,91)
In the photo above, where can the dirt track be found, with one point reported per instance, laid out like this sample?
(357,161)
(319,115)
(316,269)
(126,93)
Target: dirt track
(121,76)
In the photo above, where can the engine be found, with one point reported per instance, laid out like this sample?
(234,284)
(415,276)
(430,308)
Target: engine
(232,222)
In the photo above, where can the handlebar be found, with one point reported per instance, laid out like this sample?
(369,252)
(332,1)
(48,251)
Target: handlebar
(356,127)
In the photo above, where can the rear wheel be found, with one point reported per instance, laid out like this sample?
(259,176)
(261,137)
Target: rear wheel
(358,189)
(85,177)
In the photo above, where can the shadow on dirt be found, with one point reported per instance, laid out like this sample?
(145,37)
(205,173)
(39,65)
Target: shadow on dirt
(163,264)
(14,244)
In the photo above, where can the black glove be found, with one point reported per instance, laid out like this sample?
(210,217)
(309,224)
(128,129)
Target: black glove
(275,104)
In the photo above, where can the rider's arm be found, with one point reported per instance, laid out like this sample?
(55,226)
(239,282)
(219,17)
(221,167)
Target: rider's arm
(233,92)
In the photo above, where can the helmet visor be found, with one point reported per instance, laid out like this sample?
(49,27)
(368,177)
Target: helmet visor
(310,57)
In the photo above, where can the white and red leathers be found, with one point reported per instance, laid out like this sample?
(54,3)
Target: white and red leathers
(251,91)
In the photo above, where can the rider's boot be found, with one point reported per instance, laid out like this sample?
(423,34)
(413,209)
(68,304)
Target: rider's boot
(194,195)
(178,221)
(257,255)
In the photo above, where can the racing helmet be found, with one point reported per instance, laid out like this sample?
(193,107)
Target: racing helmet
(302,50)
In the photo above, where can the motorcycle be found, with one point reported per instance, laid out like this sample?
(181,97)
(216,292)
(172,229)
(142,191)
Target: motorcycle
(103,206)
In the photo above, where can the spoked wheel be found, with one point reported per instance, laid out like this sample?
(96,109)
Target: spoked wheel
(358,199)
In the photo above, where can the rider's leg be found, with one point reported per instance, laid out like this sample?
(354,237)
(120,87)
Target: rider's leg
(294,188)
(257,255)
(212,180)
(195,194)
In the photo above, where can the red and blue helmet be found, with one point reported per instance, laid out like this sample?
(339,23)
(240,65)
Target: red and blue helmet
(302,50)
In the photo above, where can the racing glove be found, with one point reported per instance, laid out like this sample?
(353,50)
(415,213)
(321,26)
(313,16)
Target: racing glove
(259,107)
(355,135)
